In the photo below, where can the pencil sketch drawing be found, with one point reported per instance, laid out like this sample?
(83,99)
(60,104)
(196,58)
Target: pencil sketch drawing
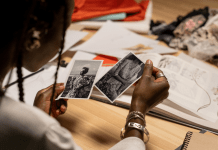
(170,63)
(194,74)
(183,88)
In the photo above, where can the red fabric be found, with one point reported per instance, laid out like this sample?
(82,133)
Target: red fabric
(86,9)
(108,60)
(141,15)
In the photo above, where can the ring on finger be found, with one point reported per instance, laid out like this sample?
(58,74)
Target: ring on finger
(160,75)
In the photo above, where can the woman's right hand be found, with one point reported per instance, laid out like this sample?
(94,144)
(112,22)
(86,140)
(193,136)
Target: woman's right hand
(149,91)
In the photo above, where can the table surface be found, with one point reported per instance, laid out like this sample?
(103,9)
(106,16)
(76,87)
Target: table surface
(95,125)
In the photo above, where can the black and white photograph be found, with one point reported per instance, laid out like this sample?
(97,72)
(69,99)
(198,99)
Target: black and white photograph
(81,79)
(119,78)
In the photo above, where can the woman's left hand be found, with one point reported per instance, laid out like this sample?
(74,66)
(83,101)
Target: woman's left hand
(42,100)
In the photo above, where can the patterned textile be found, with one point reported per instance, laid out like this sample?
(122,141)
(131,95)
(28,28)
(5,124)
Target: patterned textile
(203,43)
(79,89)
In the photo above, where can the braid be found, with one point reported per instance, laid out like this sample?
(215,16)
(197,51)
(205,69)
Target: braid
(20,77)
(20,52)
(59,59)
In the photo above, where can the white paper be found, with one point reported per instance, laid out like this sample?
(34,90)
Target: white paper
(116,41)
(190,86)
(71,38)
(136,26)
(154,57)
(34,83)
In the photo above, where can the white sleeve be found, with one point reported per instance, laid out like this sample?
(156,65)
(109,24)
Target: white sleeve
(59,138)
(130,143)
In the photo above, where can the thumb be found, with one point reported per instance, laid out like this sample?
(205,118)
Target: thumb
(148,69)
(58,90)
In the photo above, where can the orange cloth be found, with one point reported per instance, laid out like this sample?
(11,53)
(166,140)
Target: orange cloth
(108,60)
(86,9)
(141,15)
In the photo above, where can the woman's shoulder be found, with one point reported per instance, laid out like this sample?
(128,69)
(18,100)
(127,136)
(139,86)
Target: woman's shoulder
(30,128)
(17,116)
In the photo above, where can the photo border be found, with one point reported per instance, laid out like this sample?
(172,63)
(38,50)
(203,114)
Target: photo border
(127,87)
(59,97)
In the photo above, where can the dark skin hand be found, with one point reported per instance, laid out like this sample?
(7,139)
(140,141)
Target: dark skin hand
(149,92)
(42,100)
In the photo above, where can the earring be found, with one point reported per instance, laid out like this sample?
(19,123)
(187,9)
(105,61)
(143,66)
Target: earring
(34,41)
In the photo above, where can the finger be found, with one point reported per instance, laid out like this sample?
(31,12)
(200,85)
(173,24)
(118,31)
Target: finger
(64,103)
(136,83)
(155,72)
(58,112)
(50,87)
(152,78)
(58,90)
(58,103)
(63,109)
(148,69)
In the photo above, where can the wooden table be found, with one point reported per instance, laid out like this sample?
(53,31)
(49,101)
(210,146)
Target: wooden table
(96,126)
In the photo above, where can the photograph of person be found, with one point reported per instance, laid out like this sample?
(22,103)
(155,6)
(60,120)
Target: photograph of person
(81,79)
(117,80)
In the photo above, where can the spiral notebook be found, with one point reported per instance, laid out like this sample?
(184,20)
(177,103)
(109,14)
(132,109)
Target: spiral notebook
(198,141)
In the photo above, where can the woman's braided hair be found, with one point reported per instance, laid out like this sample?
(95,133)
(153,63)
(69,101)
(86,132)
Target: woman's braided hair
(44,12)
(59,60)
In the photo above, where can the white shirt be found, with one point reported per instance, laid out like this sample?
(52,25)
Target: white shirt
(26,127)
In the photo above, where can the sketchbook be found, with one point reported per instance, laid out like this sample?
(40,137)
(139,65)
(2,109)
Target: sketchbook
(171,109)
(198,141)
(193,93)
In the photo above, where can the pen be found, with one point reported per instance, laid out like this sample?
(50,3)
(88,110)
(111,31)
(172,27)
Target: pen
(32,74)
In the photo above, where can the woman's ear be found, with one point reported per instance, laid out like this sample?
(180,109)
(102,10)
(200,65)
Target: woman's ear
(33,40)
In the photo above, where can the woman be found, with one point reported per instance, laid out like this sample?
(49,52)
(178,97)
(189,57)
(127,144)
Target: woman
(39,31)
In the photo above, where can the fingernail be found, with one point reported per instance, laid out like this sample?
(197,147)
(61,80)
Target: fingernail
(148,61)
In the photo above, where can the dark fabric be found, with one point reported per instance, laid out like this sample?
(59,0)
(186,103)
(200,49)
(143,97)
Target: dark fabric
(165,32)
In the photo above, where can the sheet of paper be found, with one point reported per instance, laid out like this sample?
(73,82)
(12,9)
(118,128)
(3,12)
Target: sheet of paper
(189,86)
(41,80)
(154,57)
(182,116)
(71,38)
(33,84)
(136,26)
(116,41)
